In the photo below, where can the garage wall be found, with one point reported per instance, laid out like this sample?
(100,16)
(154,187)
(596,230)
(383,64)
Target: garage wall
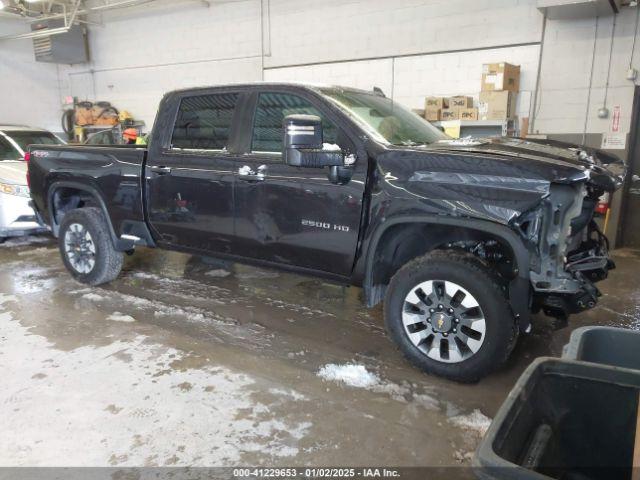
(29,91)
(409,79)
(419,47)
(335,30)
(568,61)
(139,54)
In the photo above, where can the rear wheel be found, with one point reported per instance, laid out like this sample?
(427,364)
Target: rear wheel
(86,248)
(449,316)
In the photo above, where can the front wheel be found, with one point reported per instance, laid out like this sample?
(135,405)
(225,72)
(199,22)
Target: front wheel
(449,316)
(86,248)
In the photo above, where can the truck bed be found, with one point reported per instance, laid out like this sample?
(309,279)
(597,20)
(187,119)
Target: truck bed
(114,174)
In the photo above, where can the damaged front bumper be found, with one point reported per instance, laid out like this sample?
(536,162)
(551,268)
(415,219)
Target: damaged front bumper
(572,253)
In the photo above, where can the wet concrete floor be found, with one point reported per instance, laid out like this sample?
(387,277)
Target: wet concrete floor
(189,361)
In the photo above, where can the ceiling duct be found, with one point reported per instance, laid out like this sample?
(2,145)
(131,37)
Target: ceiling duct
(574,9)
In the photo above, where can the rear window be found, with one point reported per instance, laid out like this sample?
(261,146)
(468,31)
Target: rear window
(204,122)
(26,138)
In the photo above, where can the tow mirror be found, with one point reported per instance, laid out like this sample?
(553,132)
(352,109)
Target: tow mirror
(303,143)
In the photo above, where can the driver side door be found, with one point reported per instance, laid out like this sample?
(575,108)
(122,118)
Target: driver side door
(295,216)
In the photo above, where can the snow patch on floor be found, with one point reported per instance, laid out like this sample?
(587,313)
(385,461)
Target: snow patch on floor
(355,375)
(124,404)
(475,421)
(24,241)
(218,273)
(94,297)
(120,317)
(349,374)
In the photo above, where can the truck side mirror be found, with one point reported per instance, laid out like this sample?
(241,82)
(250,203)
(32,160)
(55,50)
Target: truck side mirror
(303,143)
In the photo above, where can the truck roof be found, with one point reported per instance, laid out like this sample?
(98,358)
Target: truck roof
(307,85)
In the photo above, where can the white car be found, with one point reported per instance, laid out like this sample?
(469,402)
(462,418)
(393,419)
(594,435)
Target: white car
(16,216)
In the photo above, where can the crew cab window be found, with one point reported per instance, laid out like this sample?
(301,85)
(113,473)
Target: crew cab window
(270,112)
(204,122)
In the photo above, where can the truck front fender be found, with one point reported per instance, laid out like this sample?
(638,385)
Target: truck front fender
(519,286)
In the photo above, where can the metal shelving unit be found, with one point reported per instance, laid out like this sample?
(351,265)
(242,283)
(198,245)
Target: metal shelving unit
(482,128)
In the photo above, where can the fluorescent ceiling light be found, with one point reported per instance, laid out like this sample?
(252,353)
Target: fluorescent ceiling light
(1,4)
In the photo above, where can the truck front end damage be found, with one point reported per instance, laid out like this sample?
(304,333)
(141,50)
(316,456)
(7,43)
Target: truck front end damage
(571,252)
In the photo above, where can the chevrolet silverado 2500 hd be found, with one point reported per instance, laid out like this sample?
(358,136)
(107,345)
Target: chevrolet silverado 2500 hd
(463,239)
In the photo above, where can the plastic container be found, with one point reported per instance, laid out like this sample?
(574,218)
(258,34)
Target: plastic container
(617,347)
(563,419)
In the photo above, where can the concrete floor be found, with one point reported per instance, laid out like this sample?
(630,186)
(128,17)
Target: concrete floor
(184,361)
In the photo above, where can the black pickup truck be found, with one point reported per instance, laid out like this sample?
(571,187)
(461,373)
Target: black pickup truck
(463,239)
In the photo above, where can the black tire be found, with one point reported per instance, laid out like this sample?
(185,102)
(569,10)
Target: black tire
(470,273)
(107,261)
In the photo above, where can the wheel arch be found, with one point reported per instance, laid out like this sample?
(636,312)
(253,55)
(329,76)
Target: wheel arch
(63,196)
(404,229)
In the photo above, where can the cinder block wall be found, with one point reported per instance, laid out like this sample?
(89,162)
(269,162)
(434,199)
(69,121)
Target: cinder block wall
(409,48)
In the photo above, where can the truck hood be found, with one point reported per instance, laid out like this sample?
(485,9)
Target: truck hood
(559,162)
(13,171)
(496,179)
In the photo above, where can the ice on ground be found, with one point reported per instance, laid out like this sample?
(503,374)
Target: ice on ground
(94,297)
(349,374)
(287,393)
(120,317)
(218,273)
(475,421)
(355,375)
(37,251)
(112,399)
(23,241)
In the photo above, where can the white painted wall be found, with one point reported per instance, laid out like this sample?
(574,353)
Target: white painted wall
(566,71)
(29,92)
(409,48)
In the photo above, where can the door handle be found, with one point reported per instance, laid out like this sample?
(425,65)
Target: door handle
(160,170)
(247,174)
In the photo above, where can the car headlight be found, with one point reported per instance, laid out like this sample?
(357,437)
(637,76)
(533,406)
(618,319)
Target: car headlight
(11,189)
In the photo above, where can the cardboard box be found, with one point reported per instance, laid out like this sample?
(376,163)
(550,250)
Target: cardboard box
(497,105)
(460,102)
(468,114)
(500,76)
(436,102)
(450,114)
(433,114)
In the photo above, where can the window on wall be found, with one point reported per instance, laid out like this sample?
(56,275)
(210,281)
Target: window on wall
(204,122)
(270,112)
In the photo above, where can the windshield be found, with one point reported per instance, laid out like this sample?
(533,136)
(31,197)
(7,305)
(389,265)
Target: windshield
(385,119)
(26,138)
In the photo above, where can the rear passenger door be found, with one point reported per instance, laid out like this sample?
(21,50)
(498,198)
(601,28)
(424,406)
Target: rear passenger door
(190,179)
(291,215)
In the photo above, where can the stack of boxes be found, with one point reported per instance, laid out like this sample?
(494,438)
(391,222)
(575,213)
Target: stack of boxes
(433,107)
(449,108)
(500,86)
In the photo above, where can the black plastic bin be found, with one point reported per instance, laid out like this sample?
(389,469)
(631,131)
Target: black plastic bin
(563,419)
(617,347)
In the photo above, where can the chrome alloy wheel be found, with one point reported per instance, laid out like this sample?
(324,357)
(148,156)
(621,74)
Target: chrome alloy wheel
(80,248)
(444,321)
